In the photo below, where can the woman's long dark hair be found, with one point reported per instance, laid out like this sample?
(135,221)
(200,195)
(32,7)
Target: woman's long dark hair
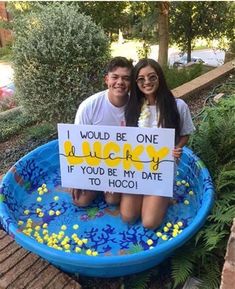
(166,103)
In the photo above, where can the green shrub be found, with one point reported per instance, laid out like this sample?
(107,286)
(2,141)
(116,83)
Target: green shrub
(6,52)
(40,131)
(176,77)
(144,51)
(214,142)
(13,124)
(59,56)
(10,113)
(232,47)
(17,122)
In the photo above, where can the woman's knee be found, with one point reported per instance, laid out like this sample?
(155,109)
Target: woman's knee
(153,211)
(130,208)
(151,223)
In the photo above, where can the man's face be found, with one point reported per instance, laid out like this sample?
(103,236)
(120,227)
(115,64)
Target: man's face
(118,82)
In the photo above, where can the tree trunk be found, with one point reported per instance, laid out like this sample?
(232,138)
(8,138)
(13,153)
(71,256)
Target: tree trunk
(163,29)
(189,41)
(189,50)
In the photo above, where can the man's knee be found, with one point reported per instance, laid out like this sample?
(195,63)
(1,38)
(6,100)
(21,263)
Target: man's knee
(83,202)
(112,198)
(85,198)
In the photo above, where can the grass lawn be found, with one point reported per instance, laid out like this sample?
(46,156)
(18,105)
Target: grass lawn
(127,49)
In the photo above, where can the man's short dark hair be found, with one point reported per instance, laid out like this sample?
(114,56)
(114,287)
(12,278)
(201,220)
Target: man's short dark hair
(119,61)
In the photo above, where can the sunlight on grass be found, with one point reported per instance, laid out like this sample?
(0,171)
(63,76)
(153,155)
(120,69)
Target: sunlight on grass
(129,49)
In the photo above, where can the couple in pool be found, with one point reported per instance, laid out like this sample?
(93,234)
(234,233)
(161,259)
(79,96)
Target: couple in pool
(139,97)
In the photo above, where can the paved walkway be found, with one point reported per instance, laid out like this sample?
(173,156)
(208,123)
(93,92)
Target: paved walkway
(21,269)
(6,74)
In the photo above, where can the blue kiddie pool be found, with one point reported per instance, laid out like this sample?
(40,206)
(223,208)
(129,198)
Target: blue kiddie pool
(93,241)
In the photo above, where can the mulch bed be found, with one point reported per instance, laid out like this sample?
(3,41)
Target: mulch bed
(15,148)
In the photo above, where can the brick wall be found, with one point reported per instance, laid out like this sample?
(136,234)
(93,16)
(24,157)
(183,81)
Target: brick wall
(228,274)
(5,34)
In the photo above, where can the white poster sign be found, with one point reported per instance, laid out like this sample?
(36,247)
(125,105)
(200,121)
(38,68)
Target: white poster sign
(117,159)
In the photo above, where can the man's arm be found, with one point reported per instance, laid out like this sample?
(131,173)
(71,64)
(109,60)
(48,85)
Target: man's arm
(82,115)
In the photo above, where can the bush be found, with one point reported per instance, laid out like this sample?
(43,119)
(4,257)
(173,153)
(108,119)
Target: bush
(214,141)
(40,131)
(176,77)
(203,255)
(13,124)
(6,52)
(59,56)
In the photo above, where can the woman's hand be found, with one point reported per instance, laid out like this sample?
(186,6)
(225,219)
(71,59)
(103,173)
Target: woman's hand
(177,152)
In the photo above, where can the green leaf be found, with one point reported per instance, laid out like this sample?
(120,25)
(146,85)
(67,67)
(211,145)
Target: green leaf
(182,267)
(139,281)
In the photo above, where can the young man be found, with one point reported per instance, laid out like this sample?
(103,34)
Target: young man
(105,108)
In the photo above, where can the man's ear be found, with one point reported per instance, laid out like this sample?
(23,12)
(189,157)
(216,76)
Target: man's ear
(106,79)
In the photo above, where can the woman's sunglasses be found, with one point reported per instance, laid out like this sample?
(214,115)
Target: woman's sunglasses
(152,79)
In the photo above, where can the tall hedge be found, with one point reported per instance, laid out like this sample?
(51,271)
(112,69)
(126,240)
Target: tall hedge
(59,56)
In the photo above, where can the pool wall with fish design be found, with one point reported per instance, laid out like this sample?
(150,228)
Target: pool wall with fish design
(94,241)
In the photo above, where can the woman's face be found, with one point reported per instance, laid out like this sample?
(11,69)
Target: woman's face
(147,81)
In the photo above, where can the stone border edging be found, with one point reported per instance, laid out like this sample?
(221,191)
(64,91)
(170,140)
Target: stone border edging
(203,81)
(228,273)
(9,112)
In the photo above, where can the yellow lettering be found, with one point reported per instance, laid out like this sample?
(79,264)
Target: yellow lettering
(156,156)
(95,158)
(131,157)
(69,150)
(110,154)
(109,157)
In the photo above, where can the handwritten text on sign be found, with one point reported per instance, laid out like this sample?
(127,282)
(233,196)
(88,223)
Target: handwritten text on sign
(117,159)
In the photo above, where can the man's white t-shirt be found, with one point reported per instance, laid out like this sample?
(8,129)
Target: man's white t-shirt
(98,110)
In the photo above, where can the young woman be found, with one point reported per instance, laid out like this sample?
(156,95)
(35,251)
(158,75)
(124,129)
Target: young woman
(152,104)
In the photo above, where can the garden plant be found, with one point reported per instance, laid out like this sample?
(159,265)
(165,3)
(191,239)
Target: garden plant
(58,59)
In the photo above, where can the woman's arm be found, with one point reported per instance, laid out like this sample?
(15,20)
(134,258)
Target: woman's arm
(182,141)
(178,149)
